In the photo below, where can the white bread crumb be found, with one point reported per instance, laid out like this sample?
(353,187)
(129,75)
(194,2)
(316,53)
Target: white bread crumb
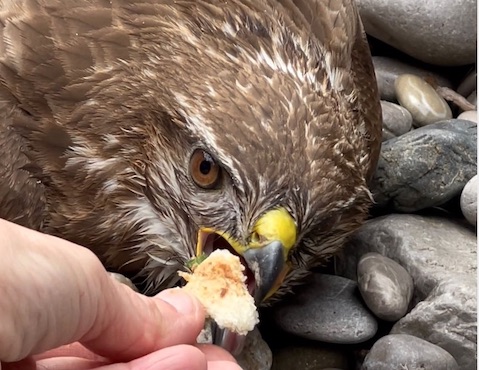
(219,283)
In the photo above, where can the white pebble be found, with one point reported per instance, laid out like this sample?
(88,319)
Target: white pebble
(421,100)
(469,201)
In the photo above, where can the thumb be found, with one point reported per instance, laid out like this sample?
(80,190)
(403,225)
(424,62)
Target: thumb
(54,292)
(130,325)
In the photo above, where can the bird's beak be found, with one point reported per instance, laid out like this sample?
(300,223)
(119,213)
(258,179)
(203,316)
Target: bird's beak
(269,268)
(265,255)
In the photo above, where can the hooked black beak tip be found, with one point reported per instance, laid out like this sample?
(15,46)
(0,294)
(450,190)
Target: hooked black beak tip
(266,263)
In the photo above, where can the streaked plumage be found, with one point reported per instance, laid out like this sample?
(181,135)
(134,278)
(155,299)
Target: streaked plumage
(103,102)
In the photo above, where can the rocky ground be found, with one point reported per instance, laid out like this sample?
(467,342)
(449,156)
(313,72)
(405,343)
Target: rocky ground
(402,295)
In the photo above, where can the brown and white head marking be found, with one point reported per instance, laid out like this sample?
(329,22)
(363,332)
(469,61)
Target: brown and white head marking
(129,90)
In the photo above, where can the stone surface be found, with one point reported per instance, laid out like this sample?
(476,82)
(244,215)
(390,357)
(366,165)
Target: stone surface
(447,318)
(256,354)
(388,69)
(431,249)
(396,120)
(309,357)
(437,32)
(327,309)
(469,200)
(426,167)
(385,286)
(470,115)
(441,257)
(421,100)
(408,353)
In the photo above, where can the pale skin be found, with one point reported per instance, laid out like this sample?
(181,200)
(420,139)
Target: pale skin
(60,310)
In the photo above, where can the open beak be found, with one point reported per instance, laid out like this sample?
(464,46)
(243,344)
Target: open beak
(264,257)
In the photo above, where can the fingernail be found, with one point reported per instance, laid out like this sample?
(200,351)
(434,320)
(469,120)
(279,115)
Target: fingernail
(182,301)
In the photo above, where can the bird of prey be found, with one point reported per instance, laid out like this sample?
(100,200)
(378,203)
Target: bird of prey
(152,131)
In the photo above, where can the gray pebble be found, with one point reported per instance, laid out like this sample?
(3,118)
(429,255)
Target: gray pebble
(256,354)
(447,318)
(469,201)
(396,120)
(438,32)
(421,100)
(426,167)
(385,286)
(401,352)
(309,357)
(441,257)
(327,309)
(388,69)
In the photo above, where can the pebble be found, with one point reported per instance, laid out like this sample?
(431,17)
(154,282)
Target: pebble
(447,318)
(441,257)
(327,309)
(401,351)
(256,354)
(421,100)
(437,32)
(396,120)
(309,357)
(470,115)
(469,201)
(385,286)
(426,167)
(388,69)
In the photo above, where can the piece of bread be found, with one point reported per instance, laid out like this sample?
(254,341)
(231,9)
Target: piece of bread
(219,283)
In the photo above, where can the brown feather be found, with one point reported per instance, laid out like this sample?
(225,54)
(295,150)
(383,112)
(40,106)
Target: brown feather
(103,102)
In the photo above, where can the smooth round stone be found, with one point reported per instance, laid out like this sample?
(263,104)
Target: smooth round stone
(448,316)
(421,100)
(309,357)
(396,120)
(256,354)
(469,201)
(426,167)
(327,309)
(470,115)
(402,351)
(385,286)
(438,32)
(441,256)
(388,69)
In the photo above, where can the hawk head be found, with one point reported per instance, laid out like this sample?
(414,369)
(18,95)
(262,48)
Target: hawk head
(157,131)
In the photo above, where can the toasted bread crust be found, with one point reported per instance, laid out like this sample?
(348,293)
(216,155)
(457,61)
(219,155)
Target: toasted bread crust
(219,283)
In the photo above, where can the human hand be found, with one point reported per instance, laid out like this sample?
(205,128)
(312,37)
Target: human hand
(60,310)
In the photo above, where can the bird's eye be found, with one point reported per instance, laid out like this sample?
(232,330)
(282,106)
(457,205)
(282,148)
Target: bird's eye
(204,170)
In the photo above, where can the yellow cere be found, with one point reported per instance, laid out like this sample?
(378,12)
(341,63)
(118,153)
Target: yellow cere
(276,224)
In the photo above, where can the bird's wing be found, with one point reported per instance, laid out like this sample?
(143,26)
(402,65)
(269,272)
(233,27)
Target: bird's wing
(46,49)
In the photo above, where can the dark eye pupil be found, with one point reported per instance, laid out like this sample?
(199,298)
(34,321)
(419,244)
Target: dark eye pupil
(205,167)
